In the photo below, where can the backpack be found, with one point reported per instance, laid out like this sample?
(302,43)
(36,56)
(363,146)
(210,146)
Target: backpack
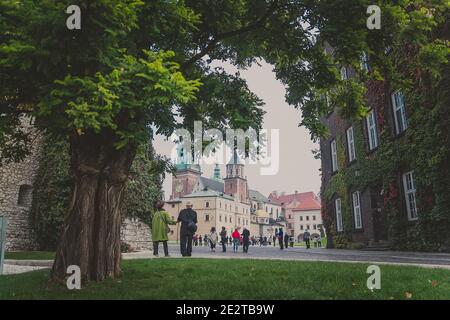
(192,227)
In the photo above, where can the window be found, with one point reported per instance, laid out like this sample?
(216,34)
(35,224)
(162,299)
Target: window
(226,220)
(25,195)
(372,130)
(314,218)
(339,224)
(410,195)
(351,145)
(206,217)
(307,227)
(173,206)
(271,211)
(398,103)
(357,209)
(307,218)
(314,226)
(207,204)
(301,227)
(365,62)
(220,204)
(301,218)
(239,220)
(334,161)
(220,218)
(344,74)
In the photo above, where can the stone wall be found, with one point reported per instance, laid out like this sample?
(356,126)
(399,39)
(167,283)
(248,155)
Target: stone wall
(16,187)
(137,234)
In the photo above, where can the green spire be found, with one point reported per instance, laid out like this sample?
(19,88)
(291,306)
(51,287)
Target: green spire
(217,172)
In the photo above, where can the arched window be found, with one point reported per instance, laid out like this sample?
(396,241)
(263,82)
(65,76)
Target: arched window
(25,195)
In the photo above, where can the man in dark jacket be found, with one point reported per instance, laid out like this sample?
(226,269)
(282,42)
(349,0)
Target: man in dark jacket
(286,240)
(188,219)
(306,237)
(245,239)
(223,239)
(280,238)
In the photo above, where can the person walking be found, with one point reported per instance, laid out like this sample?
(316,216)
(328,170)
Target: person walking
(200,240)
(188,219)
(236,238)
(213,239)
(319,241)
(274,239)
(280,238)
(245,239)
(224,239)
(286,240)
(160,228)
(306,238)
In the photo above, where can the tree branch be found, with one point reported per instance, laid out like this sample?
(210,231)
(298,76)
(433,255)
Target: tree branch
(212,44)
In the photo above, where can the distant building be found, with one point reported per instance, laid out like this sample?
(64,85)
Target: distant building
(301,210)
(222,202)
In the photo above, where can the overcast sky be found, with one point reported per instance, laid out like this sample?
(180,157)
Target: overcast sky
(297,170)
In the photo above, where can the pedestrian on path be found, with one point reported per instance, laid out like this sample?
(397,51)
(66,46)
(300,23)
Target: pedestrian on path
(280,237)
(224,239)
(306,238)
(236,239)
(160,228)
(200,240)
(286,240)
(245,239)
(188,219)
(319,241)
(213,239)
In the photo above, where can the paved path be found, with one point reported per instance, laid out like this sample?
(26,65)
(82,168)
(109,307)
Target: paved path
(441,260)
(438,260)
(13,269)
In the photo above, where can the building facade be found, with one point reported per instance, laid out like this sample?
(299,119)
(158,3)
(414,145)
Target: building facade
(301,210)
(222,202)
(369,193)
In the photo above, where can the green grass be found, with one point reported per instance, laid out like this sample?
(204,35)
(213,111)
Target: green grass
(30,255)
(239,279)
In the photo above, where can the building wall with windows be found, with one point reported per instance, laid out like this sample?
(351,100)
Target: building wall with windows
(358,198)
(307,219)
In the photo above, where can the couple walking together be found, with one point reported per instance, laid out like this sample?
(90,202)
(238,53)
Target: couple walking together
(160,228)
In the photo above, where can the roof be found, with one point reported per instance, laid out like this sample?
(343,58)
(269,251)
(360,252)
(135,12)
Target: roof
(212,184)
(207,193)
(306,200)
(235,158)
(256,195)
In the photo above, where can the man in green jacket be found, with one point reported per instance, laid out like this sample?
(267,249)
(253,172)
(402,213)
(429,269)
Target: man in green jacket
(160,227)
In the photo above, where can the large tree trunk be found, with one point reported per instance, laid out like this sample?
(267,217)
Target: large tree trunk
(91,235)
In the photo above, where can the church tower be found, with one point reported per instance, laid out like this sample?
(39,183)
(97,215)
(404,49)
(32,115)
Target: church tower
(186,175)
(217,175)
(235,180)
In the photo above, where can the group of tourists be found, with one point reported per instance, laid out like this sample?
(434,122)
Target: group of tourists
(161,220)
